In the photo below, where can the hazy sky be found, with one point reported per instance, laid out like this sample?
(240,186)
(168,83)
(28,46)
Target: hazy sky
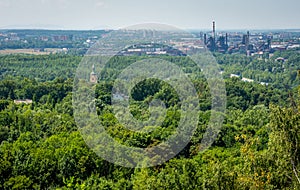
(185,14)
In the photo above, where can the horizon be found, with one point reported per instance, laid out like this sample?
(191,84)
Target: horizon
(191,14)
(186,29)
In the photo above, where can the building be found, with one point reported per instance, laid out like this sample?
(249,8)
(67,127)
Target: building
(234,76)
(247,80)
(27,101)
(280,59)
(215,44)
(93,76)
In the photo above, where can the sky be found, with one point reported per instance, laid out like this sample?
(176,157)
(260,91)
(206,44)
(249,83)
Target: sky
(183,14)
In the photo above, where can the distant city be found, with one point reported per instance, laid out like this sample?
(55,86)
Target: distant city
(251,43)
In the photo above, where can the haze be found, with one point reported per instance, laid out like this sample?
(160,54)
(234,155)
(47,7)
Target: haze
(113,14)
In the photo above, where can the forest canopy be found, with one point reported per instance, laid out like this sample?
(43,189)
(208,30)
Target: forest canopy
(257,147)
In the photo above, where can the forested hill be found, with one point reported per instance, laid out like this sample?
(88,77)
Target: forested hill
(257,148)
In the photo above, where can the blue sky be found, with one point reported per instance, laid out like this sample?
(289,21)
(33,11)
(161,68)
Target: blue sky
(187,14)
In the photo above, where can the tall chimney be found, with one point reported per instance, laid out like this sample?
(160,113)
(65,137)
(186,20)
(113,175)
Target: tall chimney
(214,30)
(248,40)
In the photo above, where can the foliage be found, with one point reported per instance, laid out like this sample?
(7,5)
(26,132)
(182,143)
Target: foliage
(257,148)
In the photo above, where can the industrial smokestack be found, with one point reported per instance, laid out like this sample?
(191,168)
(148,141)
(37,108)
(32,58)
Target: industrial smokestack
(214,30)
(248,40)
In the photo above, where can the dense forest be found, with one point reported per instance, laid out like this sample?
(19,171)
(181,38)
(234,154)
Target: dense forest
(257,148)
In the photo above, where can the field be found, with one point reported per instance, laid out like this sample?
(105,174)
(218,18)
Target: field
(46,51)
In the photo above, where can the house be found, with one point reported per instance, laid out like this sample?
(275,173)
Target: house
(234,76)
(27,101)
(280,59)
(247,80)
